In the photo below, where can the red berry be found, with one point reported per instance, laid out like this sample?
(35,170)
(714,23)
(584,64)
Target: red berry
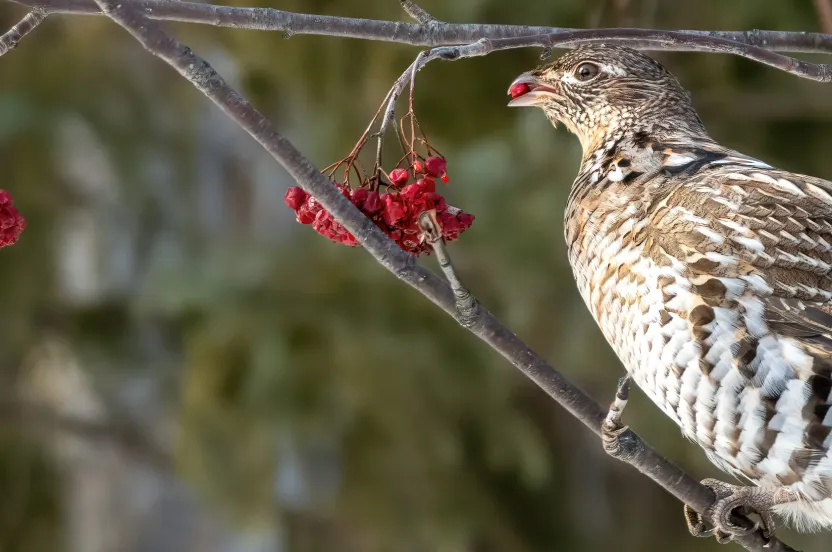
(306,213)
(12,222)
(465,220)
(412,191)
(435,166)
(398,177)
(295,197)
(417,166)
(518,89)
(445,178)
(372,204)
(427,184)
(358,196)
(393,211)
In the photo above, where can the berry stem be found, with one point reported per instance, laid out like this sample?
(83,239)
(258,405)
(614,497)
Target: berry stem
(467,306)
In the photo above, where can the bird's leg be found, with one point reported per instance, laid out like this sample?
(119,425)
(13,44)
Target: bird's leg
(467,306)
(740,499)
(612,428)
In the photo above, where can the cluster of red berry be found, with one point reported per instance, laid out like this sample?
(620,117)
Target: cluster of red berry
(396,211)
(12,222)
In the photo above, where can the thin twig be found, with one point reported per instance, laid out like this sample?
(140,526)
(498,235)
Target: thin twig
(814,71)
(394,94)
(417,13)
(441,34)
(9,40)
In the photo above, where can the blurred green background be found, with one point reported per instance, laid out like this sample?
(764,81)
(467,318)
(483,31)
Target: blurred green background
(208,375)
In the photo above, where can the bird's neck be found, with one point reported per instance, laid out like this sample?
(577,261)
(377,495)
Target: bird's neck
(636,144)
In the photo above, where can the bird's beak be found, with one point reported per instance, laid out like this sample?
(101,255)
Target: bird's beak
(528,90)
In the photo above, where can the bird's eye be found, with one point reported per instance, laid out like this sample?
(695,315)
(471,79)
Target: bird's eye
(586,71)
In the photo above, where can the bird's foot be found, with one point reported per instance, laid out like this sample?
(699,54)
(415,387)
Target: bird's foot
(612,428)
(730,500)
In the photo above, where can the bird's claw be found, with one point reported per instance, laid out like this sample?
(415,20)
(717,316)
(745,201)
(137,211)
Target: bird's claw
(612,428)
(730,499)
(610,434)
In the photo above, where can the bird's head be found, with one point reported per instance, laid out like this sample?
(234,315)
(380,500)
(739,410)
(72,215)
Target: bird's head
(600,91)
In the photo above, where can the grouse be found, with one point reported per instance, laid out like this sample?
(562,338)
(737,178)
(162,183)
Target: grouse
(709,273)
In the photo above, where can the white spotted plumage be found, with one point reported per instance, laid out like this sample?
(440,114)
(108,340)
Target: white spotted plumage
(645,316)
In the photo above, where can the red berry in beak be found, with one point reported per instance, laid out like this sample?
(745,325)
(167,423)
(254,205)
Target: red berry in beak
(519,89)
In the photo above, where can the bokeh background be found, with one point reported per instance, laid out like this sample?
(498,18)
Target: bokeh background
(185,368)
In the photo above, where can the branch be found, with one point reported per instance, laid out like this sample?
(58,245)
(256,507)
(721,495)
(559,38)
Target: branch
(487,328)
(9,40)
(436,33)
(417,13)
(814,71)
(490,38)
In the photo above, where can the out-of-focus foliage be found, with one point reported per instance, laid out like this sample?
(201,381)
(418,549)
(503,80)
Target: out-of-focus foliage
(308,400)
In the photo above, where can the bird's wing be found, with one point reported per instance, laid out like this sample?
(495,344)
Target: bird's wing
(754,247)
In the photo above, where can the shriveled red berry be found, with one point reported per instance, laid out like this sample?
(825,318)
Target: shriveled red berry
(411,192)
(518,89)
(393,211)
(358,196)
(306,213)
(427,184)
(435,166)
(372,204)
(295,197)
(12,222)
(398,177)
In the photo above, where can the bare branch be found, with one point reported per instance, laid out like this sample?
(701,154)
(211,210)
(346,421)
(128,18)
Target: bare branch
(417,13)
(9,40)
(492,37)
(814,71)
(439,33)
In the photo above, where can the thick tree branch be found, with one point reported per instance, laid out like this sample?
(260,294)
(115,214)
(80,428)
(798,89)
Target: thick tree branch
(487,328)
(9,40)
(436,33)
